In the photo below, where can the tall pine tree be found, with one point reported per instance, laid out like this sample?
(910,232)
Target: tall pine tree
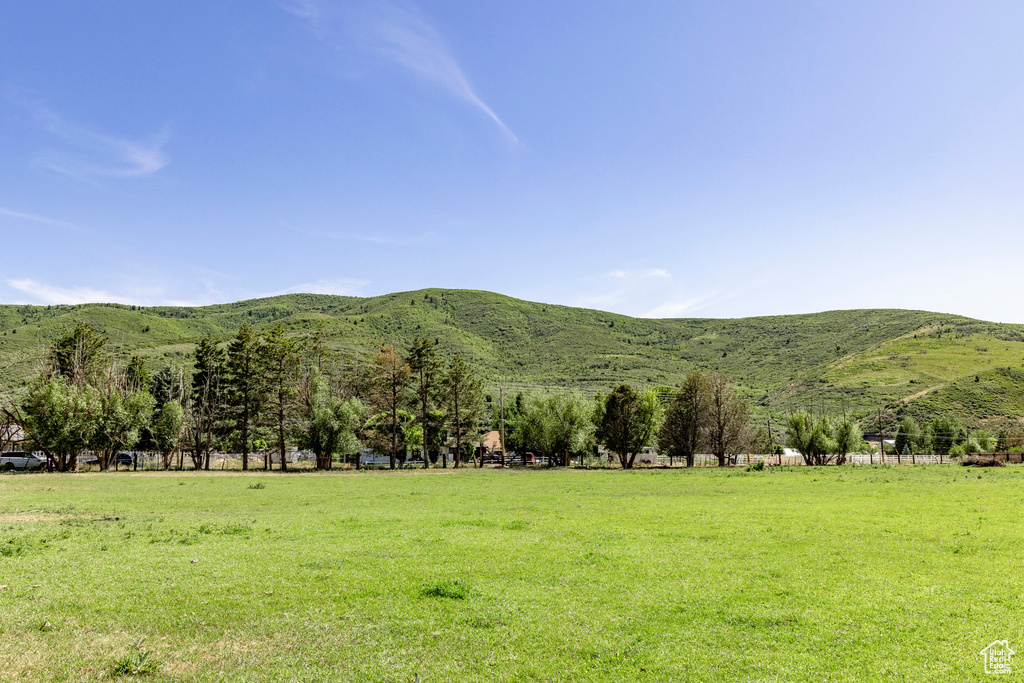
(246,388)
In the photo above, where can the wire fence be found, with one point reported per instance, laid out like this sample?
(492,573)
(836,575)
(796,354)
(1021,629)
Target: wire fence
(152,461)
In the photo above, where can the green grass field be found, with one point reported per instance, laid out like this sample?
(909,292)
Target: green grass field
(796,574)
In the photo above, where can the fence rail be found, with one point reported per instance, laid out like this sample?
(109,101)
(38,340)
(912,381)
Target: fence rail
(705,460)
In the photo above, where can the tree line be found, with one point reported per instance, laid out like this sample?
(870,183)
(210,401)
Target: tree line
(264,392)
(261,393)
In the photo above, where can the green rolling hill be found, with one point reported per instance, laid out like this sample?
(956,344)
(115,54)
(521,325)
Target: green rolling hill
(900,361)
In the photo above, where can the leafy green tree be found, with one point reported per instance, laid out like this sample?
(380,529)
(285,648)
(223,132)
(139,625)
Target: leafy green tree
(168,430)
(728,431)
(980,441)
(390,392)
(556,425)
(685,428)
(463,397)
(947,432)
(629,422)
(281,361)
(848,438)
(813,439)
(119,418)
(246,389)
(908,435)
(61,419)
(425,367)
(328,424)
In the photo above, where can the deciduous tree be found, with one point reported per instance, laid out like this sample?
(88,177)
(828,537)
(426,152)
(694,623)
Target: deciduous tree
(61,419)
(687,419)
(168,429)
(328,423)
(629,422)
(120,414)
(555,425)
(728,419)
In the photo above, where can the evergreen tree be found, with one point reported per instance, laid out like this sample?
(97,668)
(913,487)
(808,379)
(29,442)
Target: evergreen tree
(281,360)
(463,398)
(206,400)
(245,388)
(390,391)
(422,360)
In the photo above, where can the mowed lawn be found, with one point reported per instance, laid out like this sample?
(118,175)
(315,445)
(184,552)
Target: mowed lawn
(797,574)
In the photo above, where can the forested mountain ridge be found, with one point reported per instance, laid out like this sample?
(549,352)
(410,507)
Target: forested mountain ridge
(860,360)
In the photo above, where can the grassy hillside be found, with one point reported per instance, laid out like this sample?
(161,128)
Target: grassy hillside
(859,360)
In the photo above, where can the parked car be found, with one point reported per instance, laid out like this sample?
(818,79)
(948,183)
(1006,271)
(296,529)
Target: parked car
(21,460)
(124,459)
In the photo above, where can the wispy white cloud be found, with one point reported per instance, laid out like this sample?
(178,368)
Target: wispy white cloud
(644,292)
(343,286)
(90,153)
(402,36)
(35,292)
(34,218)
(639,274)
(40,293)
(673,309)
(303,9)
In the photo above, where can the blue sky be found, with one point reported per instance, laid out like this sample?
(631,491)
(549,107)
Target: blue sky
(712,159)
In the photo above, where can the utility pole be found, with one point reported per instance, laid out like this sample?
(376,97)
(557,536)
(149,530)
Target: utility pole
(501,406)
(881,444)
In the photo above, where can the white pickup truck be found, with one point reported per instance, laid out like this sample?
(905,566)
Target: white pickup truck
(21,460)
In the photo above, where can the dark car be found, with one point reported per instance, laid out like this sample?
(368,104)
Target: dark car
(124,459)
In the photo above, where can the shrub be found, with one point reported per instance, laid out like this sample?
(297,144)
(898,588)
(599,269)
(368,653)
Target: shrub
(445,589)
(134,664)
(756,466)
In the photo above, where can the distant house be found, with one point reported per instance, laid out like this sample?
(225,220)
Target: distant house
(12,437)
(648,456)
(491,443)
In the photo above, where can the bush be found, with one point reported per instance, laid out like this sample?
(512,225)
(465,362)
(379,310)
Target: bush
(134,664)
(445,589)
(756,466)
